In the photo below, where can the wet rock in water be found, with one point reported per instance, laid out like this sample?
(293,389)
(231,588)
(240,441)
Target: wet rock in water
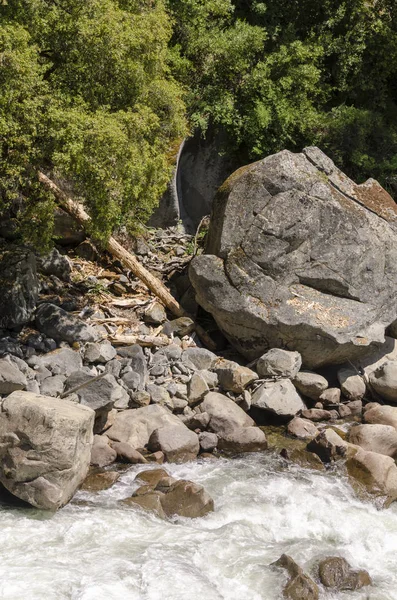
(376,472)
(232,376)
(279,398)
(126,453)
(152,476)
(328,445)
(279,363)
(11,378)
(45,448)
(150,502)
(196,389)
(243,439)
(375,438)
(135,426)
(19,286)
(335,572)
(102,454)
(208,441)
(178,443)
(201,358)
(99,352)
(351,383)
(63,361)
(55,263)
(330,397)
(300,586)
(179,327)
(279,284)
(62,326)
(97,482)
(310,384)
(384,381)
(155,314)
(382,415)
(224,414)
(302,428)
(187,499)
(316,414)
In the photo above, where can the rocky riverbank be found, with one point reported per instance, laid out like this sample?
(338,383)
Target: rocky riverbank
(95,374)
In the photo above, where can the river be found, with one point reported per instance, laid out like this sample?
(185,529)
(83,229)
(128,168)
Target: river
(97,549)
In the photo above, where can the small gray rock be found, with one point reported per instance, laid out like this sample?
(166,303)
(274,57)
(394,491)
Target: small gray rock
(279,398)
(279,363)
(310,384)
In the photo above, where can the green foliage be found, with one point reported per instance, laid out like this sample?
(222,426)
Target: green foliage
(87,95)
(290,73)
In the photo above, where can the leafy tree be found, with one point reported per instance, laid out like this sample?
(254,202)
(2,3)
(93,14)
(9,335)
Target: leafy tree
(87,94)
(285,74)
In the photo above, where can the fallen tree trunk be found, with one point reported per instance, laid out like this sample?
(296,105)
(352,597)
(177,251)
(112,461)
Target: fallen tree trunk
(75,210)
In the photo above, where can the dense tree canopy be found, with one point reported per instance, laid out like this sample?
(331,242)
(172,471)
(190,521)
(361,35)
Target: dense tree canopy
(86,94)
(294,72)
(96,92)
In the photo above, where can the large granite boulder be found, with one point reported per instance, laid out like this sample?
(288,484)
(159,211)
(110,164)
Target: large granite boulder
(19,286)
(135,426)
(45,448)
(300,257)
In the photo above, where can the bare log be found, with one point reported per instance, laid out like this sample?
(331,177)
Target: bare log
(141,340)
(75,210)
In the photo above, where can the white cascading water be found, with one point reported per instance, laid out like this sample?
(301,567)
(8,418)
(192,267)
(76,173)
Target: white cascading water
(97,549)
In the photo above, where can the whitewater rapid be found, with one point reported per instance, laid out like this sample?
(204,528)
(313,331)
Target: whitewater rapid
(97,549)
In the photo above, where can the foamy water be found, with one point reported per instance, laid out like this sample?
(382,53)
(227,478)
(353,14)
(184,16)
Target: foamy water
(97,549)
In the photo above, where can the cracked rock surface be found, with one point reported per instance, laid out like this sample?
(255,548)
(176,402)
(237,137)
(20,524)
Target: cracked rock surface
(300,257)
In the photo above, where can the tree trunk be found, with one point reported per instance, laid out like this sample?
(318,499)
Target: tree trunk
(75,209)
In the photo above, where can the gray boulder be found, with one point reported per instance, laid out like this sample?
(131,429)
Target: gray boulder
(351,383)
(224,414)
(63,361)
(302,428)
(279,398)
(375,438)
(311,385)
(381,415)
(99,394)
(11,378)
(45,447)
(284,266)
(19,286)
(232,376)
(201,358)
(102,352)
(279,363)
(243,439)
(376,472)
(208,441)
(55,263)
(178,443)
(384,381)
(102,454)
(135,426)
(61,326)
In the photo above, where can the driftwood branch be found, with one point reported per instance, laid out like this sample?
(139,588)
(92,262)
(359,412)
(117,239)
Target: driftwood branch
(75,210)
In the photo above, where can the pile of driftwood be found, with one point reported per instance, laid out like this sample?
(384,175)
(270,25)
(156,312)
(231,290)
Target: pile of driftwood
(135,265)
